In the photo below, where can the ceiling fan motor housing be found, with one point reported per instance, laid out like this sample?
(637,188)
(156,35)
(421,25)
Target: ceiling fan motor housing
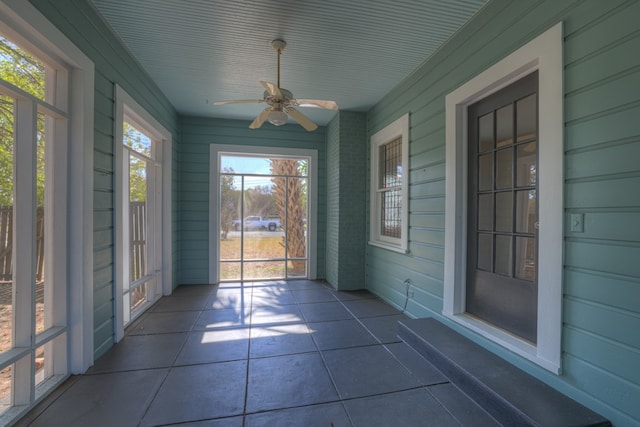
(286,96)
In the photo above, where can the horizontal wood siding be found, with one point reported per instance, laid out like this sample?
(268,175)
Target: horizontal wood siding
(79,21)
(601,338)
(601,342)
(197,135)
(332,253)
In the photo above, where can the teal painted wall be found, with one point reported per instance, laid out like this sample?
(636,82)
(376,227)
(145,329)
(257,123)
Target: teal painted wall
(332,257)
(196,136)
(79,21)
(601,332)
(346,200)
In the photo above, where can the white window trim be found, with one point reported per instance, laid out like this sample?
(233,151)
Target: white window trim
(34,27)
(544,54)
(125,105)
(214,199)
(399,128)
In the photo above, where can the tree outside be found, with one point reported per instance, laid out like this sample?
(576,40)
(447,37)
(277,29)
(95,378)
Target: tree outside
(21,69)
(229,202)
(140,143)
(290,199)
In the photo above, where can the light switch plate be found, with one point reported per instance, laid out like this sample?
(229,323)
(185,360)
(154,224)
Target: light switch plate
(577,223)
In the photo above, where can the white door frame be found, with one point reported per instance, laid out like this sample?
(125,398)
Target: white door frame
(544,53)
(214,198)
(125,105)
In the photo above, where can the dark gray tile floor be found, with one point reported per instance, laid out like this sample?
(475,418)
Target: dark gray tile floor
(261,354)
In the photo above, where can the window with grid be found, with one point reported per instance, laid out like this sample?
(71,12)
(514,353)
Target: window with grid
(390,187)
(389,165)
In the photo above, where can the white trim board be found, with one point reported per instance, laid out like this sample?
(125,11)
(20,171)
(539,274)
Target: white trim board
(544,54)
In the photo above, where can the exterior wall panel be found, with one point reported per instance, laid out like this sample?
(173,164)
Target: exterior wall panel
(197,134)
(114,64)
(601,345)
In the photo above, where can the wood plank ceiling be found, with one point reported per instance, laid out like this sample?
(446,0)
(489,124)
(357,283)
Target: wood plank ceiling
(352,52)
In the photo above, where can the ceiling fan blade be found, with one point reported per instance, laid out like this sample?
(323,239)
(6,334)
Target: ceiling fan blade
(301,119)
(239,101)
(317,103)
(272,89)
(260,119)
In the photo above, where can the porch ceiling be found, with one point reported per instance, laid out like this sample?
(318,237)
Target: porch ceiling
(352,52)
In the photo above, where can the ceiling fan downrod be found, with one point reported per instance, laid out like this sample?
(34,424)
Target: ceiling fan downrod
(278,45)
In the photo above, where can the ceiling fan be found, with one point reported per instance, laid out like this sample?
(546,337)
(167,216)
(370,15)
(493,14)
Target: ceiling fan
(281,102)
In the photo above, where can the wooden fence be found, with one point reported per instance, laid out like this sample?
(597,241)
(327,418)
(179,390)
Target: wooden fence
(6,244)
(137,232)
(138,240)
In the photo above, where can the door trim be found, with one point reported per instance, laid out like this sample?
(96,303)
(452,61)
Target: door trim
(214,199)
(126,105)
(544,54)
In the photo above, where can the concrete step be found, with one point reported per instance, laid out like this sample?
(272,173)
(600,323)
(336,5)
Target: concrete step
(510,395)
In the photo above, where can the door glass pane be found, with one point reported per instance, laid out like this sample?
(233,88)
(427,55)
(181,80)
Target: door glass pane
(485,172)
(526,211)
(7,110)
(504,168)
(485,251)
(296,231)
(137,217)
(504,126)
(272,201)
(136,140)
(138,296)
(485,133)
(485,212)
(255,165)
(263,269)
(40,372)
(40,229)
(22,69)
(261,220)
(526,120)
(230,214)
(503,259)
(526,164)
(504,212)
(230,271)
(6,378)
(526,258)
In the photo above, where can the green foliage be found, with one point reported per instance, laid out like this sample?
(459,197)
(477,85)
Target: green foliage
(229,201)
(20,69)
(6,151)
(140,143)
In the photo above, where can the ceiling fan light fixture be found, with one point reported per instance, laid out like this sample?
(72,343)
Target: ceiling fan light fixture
(277,117)
(281,102)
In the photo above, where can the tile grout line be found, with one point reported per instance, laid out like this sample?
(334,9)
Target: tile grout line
(326,366)
(171,367)
(384,345)
(246,382)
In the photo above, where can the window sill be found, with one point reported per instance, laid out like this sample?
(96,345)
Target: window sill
(389,247)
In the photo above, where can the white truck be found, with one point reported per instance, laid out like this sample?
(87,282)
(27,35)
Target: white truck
(255,222)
